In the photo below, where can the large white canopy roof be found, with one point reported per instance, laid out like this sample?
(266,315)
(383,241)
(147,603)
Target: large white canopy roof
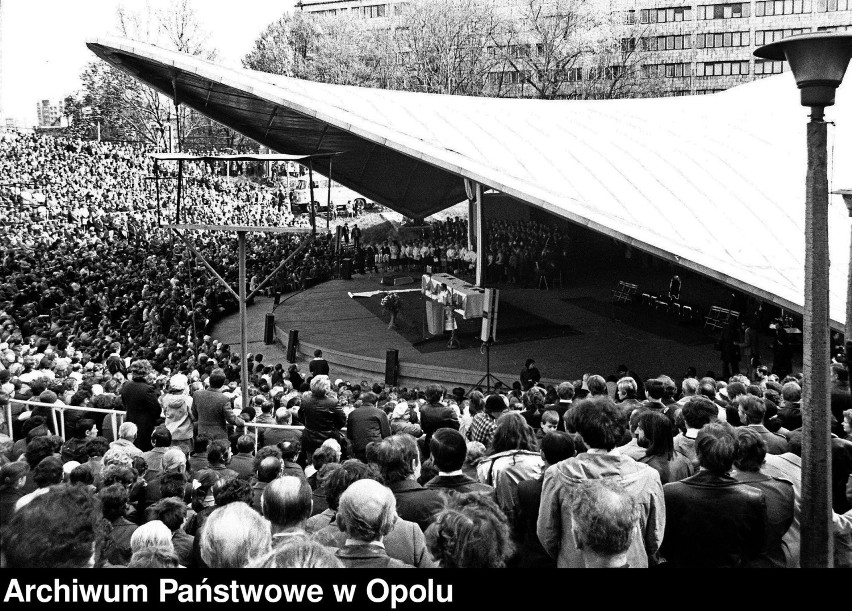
(714,183)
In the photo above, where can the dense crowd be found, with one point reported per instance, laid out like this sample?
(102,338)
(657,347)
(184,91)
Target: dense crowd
(101,314)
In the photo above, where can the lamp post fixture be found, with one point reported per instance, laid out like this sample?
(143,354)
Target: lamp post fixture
(818,62)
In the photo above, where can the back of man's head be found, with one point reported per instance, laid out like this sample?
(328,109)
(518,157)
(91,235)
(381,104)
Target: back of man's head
(699,411)
(170,511)
(598,421)
(58,529)
(565,391)
(269,469)
(735,389)
(597,385)
(161,437)
(366,511)
(557,446)
(287,502)
(245,444)
(791,392)
(217,452)
(434,392)
(217,378)
(753,408)
(716,447)
(604,516)
(395,457)
(655,389)
(495,404)
(174,461)
(48,472)
(751,450)
(448,449)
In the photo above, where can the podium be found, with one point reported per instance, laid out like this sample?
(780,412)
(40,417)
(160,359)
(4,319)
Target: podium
(434,317)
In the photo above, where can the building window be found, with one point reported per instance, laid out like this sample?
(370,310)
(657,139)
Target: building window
(666,70)
(835,28)
(770,8)
(666,43)
(766,66)
(665,15)
(711,40)
(765,37)
(375,10)
(725,11)
(830,6)
(735,68)
(628,45)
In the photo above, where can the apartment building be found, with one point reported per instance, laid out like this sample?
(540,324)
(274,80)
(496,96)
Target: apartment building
(683,48)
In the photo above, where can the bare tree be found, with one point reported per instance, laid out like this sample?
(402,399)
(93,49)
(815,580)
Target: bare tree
(545,42)
(444,46)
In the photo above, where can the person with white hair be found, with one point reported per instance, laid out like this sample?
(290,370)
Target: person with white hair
(233,536)
(151,534)
(403,420)
(366,513)
(126,436)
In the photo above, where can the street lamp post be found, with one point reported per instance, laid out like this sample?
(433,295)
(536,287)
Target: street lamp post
(818,62)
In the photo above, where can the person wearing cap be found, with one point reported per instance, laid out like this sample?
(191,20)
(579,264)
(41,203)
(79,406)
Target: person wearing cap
(140,401)
(177,410)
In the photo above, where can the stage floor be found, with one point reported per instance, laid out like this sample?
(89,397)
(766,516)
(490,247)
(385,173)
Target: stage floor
(327,317)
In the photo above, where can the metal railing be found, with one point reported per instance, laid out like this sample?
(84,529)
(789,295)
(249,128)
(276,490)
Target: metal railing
(59,423)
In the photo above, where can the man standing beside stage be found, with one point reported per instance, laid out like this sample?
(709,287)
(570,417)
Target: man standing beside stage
(356,236)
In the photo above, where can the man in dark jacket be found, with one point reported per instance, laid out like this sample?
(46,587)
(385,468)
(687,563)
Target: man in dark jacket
(212,410)
(366,424)
(140,401)
(555,447)
(435,415)
(318,366)
(243,461)
(711,519)
(448,449)
(399,463)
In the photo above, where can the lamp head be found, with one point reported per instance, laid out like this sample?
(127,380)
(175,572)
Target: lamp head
(818,62)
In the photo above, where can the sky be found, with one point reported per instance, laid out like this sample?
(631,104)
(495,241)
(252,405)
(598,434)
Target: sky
(44,48)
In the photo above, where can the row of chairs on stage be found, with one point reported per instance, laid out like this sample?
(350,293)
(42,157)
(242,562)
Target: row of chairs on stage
(714,321)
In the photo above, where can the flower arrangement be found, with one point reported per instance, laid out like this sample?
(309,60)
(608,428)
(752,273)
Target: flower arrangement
(392,303)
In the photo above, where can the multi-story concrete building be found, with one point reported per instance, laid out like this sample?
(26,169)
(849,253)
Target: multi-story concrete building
(682,47)
(49,113)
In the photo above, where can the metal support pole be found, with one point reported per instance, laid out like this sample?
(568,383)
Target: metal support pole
(179,190)
(817,545)
(311,188)
(328,209)
(471,223)
(157,182)
(114,426)
(241,236)
(480,239)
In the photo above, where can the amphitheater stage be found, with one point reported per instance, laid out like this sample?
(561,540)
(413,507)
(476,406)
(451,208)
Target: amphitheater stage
(568,331)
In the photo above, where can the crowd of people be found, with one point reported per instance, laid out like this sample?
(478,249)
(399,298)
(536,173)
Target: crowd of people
(124,440)
(596,472)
